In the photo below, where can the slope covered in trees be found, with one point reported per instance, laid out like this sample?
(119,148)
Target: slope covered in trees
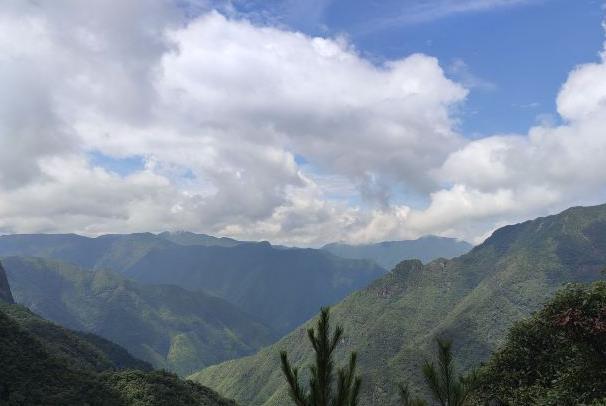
(167,326)
(473,299)
(281,286)
(389,253)
(558,356)
(5,291)
(44,364)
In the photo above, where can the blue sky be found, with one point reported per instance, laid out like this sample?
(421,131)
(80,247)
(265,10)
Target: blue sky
(514,57)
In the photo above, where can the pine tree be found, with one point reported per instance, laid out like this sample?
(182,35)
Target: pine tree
(322,377)
(407,400)
(446,387)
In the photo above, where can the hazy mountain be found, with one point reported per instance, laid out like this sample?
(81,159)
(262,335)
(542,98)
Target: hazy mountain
(5,291)
(168,326)
(389,253)
(188,238)
(283,287)
(473,299)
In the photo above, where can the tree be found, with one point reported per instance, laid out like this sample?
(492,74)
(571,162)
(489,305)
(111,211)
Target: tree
(407,400)
(447,388)
(556,356)
(322,377)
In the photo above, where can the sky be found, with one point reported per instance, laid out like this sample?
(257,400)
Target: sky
(296,122)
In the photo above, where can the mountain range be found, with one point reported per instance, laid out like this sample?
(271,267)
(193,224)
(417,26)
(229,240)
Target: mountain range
(43,363)
(170,327)
(472,299)
(280,286)
(389,253)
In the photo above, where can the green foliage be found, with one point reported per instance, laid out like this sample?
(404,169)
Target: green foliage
(80,350)
(473,299)
(406,398)
(390,253)
(160,388)
(447,388)
(170,327)
(322,372)
(282,287)
(557,356)
(43,364)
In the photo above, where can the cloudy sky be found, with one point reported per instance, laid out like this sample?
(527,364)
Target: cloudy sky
(299,122)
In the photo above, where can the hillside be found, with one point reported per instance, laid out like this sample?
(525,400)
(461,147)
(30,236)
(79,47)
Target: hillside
(389,253)
(283,287)
(473,299)
(169,327)
(43,363)
(5,291)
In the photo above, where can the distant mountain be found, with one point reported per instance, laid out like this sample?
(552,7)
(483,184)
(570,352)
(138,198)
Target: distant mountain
(283,287)
(389,253)
(473,299)
(168,326)
(187,238)
(111,251)
(5,291)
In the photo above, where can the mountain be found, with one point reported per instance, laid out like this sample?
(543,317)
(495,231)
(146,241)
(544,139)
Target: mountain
(473,299)
(5,291)
(188,238)
(389,253)
(282,286)
(168,326)
(43,363)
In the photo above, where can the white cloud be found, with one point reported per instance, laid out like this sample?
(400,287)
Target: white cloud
(220,107)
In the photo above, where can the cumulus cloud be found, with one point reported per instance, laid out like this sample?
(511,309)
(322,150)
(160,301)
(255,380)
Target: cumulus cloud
(259,132)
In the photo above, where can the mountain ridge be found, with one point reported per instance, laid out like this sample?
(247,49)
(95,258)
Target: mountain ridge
(165,325)
(389,253)
(472,299)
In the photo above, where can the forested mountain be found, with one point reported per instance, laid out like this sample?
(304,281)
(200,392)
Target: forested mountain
(5,291)
(44,364)
(283,287)
(188,238)
(389,253)
(168,326)
(473,299)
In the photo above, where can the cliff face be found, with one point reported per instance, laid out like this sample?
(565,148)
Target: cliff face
(5,290)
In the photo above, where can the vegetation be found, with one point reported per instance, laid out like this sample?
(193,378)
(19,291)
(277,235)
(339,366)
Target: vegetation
(558,356)
(392,322)
(446,387)
(322,375)
(169,327)
(43,364)
(282,287)
(389,253)
(5,291)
